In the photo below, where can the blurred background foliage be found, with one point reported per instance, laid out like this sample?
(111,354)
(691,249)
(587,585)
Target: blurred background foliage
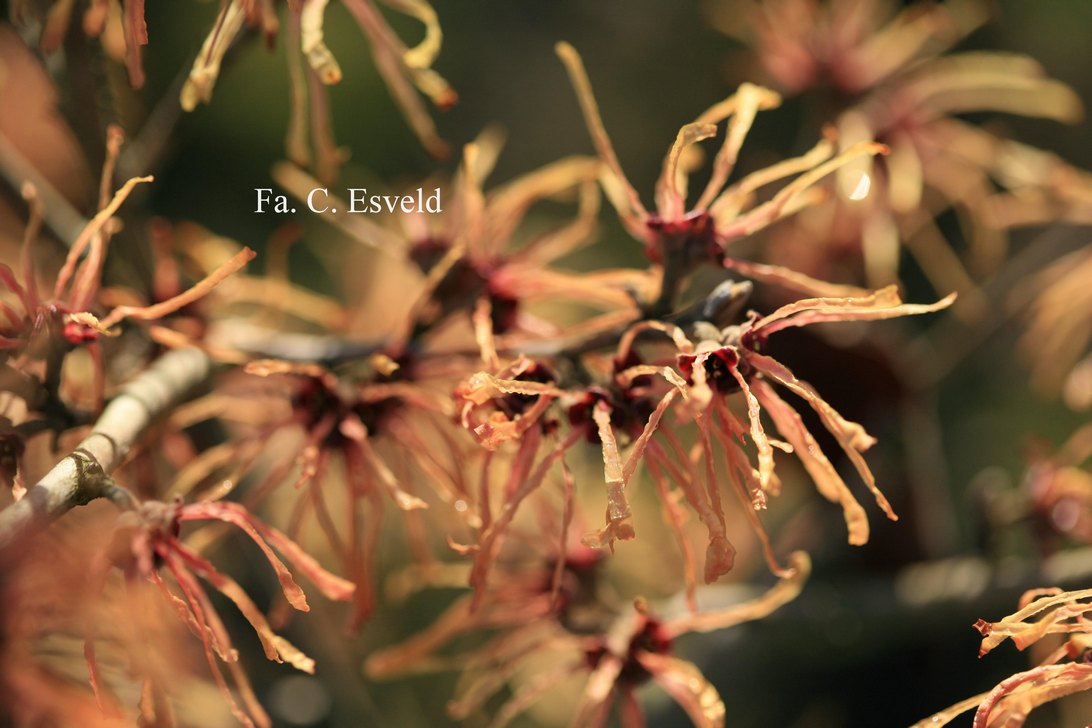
(873,640)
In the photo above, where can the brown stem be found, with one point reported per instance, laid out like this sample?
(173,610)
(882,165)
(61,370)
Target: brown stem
(59,215)
(83,475)
(720,307)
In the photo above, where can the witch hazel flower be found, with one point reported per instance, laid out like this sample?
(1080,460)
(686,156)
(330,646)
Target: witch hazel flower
(848,47)
(479,261)
(67,314)
(616,652)
(720,363)
(679,237)
(733,359)
(345,425)
(521,404)
(639,649)
(79,280)
(540,584)
(624,416)
(477,257)
(147,547)
(883,67)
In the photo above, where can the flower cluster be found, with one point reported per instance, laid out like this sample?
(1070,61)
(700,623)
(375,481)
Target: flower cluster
(680,239)
(613,386)
(560,609)
(474,385)
(515,402)
(147,544)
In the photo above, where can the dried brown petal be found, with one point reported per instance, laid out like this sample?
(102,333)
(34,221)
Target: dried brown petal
(206,68)
(619,518)
(784,591)
(685,683)
(826,478)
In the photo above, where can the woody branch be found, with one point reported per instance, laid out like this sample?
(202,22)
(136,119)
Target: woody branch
(84,474)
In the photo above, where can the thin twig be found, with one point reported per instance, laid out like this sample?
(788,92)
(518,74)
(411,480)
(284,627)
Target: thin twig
(60,217)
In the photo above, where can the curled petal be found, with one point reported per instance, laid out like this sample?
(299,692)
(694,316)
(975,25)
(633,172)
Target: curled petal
(136,35)
(720,555)
(747,486)
(206,69)
(214,637)
(671,188)
(1030,689)
(312,44)
(87,320)
(784,591)
(631,208)
(498,429)
(1060,608)
(743,106)
(390,58)
(276,648)
(424,53)
(332,586)
(685,683)
(90,231)
(826,478)
(483,386)
(791,280)
(619,518)
(787,199)
(851,436)
(508,206)
(678,336)
(882,304)
(730,202)
(946,716)
(197,291)
(758,434)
